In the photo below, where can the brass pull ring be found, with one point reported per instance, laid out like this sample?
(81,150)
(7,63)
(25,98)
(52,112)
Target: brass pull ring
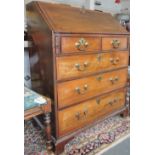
(81,67)
(81,91)
(77,115)
(85,112)
(114,61)
(114,80)
(111,102)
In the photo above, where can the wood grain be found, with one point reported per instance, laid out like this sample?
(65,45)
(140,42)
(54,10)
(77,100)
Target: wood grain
(84,113)
(67,94)
(96,63)
(64,18)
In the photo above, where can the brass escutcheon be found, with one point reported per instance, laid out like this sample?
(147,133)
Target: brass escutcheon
(99,78)
(81,44)
(115,43)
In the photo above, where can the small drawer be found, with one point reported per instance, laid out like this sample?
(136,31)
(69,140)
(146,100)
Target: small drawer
(114,43)
(75,91)
(78,116)
(76,66)
(80,44)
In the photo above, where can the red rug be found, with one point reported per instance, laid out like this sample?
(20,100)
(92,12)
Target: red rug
(89,142)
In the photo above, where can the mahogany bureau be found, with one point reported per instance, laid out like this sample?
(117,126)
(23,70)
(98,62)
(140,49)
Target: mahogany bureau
(83,59)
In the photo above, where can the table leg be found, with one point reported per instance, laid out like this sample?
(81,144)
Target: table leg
(48,132)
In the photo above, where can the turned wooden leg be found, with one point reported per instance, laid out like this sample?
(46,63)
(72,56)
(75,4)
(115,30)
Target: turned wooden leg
(48,132)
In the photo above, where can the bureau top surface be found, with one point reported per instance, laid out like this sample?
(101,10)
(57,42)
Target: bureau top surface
(67,19)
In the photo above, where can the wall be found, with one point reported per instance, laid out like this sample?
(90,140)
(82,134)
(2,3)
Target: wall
(89,4)
(113,8)
(107,5)
(76,3)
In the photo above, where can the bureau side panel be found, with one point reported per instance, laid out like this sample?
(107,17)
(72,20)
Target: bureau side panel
(42,54)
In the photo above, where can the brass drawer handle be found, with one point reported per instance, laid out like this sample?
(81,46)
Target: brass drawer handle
(111,102)
(116,100)
(81,67)
(114,61)
(80,91)
(114,80)
(77,115)
(81,44)
(115,43)
(85,112)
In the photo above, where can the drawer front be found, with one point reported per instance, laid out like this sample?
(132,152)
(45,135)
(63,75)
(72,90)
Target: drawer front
(76,66)
(114,43)
(79,115)
(74,91)
(79,44)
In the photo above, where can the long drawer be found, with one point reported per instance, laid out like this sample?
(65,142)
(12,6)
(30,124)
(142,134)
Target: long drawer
(79,115)
(79,65)
(74,91)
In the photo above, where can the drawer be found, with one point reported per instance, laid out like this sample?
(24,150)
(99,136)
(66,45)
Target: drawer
(80,44)
(114,43)
(82,114)
(74,91)
(76,66)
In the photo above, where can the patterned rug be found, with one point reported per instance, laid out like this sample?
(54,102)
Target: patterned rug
(34,140)
(89,142)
